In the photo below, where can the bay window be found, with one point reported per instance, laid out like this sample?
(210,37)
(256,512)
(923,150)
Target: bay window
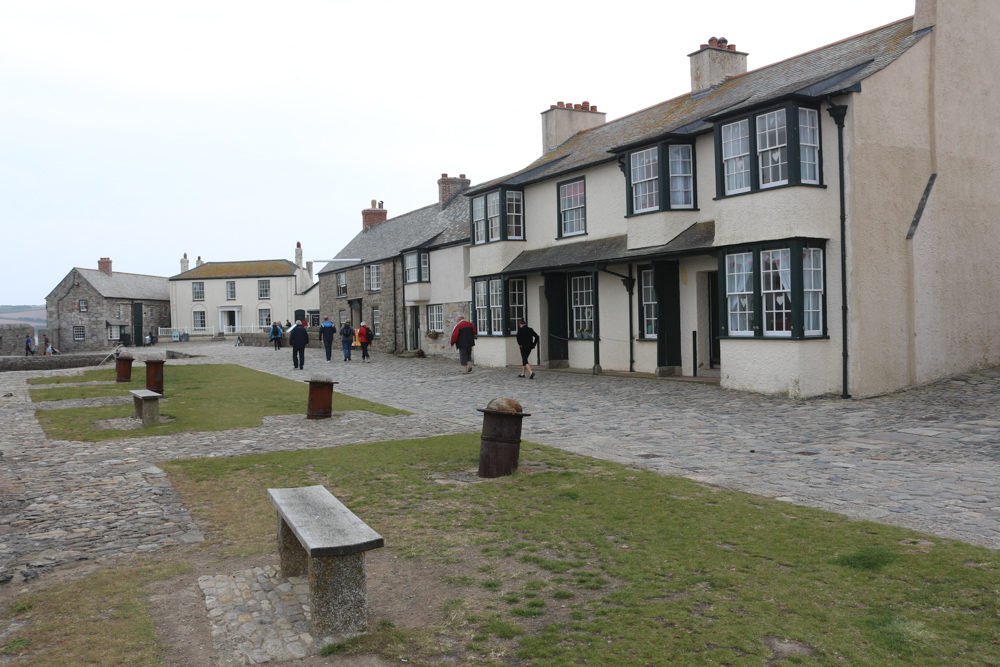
(497,216)
(647,179)
(416,267)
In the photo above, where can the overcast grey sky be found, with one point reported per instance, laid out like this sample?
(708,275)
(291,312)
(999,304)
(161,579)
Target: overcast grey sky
(140,131)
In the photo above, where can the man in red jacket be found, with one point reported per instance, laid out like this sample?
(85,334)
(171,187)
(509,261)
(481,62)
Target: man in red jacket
(464,337)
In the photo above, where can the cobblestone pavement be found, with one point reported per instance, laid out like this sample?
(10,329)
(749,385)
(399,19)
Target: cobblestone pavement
(925,459)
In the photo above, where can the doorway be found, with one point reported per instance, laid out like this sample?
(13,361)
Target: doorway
(715,345)
(413,328)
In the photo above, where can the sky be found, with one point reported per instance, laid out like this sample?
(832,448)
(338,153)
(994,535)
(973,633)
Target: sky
(231,130)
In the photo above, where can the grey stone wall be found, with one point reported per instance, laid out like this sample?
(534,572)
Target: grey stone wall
(40,363)
(12,337)
(441,346)
(391,338)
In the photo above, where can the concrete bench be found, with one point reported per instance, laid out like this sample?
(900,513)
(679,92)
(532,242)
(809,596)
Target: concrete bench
(147,406)
(322,540)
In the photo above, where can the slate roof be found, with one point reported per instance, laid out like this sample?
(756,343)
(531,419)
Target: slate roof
(120,285)
(425,227)
(815,74)
(610,250)
(257,269)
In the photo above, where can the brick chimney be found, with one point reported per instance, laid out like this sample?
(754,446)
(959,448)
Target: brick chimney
(449,187)
(714,62)
(372,216)
(564,119)
(184,263)
(104,264)
(298,253)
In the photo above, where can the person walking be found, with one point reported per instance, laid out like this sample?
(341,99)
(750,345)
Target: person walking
(46,348)
(365,337)
(464,338)
(527,339)
(298,338)
(28,350)
(326,331)
(276,334)
(346,339)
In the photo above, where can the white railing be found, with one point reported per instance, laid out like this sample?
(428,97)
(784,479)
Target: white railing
(191,331)
(246,329)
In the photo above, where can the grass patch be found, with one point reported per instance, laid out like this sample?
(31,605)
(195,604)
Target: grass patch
(637,567)
(198,398)
(101,619)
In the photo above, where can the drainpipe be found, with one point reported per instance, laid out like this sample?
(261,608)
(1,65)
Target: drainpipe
(595,275)
(395,318)
(402,304)
(839,113)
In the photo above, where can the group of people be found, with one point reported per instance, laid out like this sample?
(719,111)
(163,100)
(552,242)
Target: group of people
(47,349)
(298,338)
(464,338)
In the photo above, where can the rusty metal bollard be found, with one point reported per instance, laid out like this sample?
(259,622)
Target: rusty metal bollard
(154,375)
(501,440)
(320,397)
(123,369)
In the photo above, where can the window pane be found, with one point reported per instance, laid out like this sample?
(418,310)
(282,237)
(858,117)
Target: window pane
(515,302)
(809,145)
(776,291)
(572,199)
(735,150)
(772,151)
(812,286)
(739,293)
(645,180)
(493,215)
(515,216)
(479,218)
(582,306)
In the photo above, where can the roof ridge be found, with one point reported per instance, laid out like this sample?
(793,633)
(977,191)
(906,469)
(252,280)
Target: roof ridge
(143,275)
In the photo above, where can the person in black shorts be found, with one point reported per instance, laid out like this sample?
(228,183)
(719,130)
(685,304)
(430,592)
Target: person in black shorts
(527,339)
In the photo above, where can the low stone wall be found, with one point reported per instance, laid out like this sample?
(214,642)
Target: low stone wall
(54,362)
(264,340)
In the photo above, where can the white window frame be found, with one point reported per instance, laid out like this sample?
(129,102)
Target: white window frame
(198,291)
(772,148)
(342,284)
(739,294)
(425,267)
(679,158)
(79,332)
(496,306)
(515,214)
(115,332)
(646,180)
(263,289)
(516,302)
(582,306)
(812,291)
(343,317)
(118,311)
(809,145)
(479,219)
(776,291)
(264,317)
(736,156)
(373,277)
(195,318)
(493,215)
(376,322)
(649,305)
(410,273)
(230,290)
(482,306)
(84,305)
(435,318)
(573,208)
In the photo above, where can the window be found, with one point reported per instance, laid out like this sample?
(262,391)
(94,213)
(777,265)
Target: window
(263,289)
(812,291)
(376,322)
(410,267)
(83,305)
(775,140)
(496,307)
(114,332)
(739,293)
(482,309)
(735,151)
(515,215)
(314,319)
(582,300)
(199,319)
(572,208)
(197,291)
(515,303)
(435,318)
(681,177)
(264,317)
(649,313)
(343,317)
(416,267)
(341,284)
(479,219)
(493,215)
(79,333)
(373,277)
(776,290)
(425,267)
(645,181)
(118,311)
(230,290)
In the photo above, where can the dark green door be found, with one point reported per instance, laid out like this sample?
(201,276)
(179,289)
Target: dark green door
(715,345)
(137,336)
(555,295)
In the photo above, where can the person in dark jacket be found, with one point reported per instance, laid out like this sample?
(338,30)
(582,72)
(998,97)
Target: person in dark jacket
(346,339)
(464,338)
(298,338)
(527,339)
(326,331)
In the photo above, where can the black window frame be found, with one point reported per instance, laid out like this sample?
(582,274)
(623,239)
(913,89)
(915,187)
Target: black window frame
(640,325)
(570,320)
(791,108)
(663,179)
(506,329)
(559,220)
(502,193)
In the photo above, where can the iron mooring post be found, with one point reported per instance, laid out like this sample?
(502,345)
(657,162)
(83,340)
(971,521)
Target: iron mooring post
(154,375)
(501,439)
(320,397)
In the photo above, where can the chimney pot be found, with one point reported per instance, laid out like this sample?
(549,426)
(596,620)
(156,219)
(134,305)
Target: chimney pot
(373,203)
(560,104)
(713,41)
(593,108)
(578,106)
(732,47)
(380,204)
(723,42)
(586,106)
(703,46)
(444,175)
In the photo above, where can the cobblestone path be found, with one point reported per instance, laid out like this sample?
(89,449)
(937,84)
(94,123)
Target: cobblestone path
(926,459)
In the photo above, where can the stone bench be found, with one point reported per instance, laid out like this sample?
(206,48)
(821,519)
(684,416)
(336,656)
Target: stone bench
(322,540)
(147,406)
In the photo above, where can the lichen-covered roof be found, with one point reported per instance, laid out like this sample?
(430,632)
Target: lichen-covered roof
(255,269)
(120,285)
(816,74)
(425,227)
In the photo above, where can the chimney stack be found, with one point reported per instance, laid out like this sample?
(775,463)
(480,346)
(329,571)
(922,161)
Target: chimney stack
(715,62)
(298,253)
(564,119)
(198,262)
(184,263)
(449,187)
(924,14)
(372,216)
(104,264)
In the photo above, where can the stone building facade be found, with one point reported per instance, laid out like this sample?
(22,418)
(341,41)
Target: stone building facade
(98,310)
(348,295)
(12,337)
